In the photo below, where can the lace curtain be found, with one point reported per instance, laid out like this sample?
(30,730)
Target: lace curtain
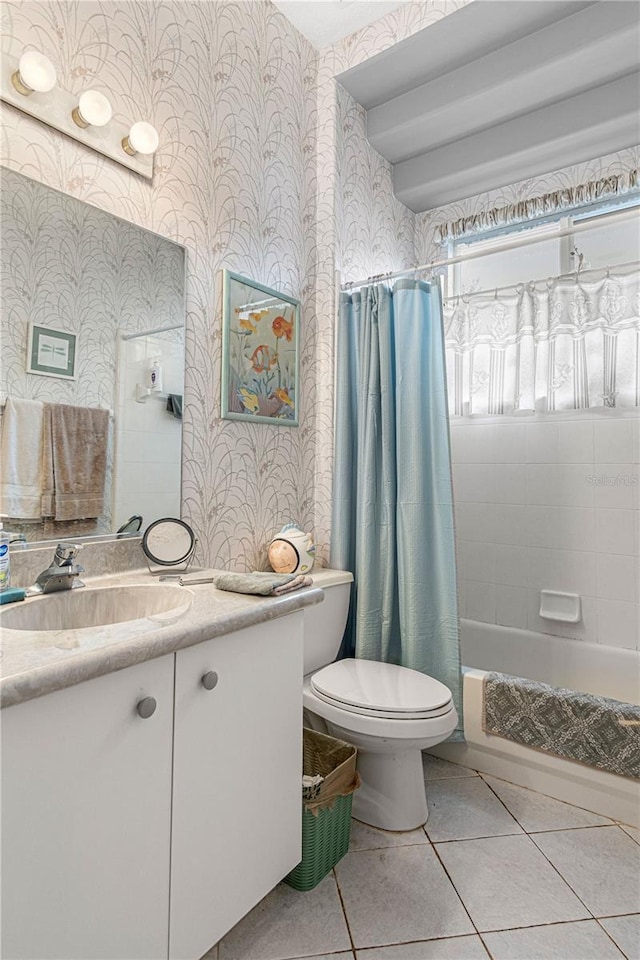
(561,344)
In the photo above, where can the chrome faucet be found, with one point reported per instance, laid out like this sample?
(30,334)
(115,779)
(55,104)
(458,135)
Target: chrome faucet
(62,574)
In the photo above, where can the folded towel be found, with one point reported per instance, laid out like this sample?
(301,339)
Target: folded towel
(20,465)
(79,437)
(261,584)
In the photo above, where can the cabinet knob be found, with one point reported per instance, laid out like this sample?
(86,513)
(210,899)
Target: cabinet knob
(209,680)
(146,707)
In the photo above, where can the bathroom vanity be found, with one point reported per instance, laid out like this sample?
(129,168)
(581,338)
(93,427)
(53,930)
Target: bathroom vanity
(151,796)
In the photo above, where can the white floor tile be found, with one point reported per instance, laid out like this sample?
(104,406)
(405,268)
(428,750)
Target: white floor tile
(464,809)
(290,924)
(626,933)
(559,941)
(399,894)
(535,811)
(364,837)
(602,865)
(454,948)
(437,769)
(506,882)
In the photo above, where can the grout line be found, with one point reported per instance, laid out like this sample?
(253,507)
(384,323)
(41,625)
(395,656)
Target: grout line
(464,906)
(344,912)
(558,872)
(618,947)
(540,794)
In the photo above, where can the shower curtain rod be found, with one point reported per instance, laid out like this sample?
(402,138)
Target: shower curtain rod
(147,333)
(607,219)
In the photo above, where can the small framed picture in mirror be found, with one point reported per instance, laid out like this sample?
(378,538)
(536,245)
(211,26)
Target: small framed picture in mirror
(261,348)
(51,353)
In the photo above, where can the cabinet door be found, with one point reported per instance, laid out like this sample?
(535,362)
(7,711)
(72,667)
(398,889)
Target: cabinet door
(237,779)
(86,793)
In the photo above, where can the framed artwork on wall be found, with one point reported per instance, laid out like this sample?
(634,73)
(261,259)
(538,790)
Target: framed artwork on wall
(51,353)
(260,353)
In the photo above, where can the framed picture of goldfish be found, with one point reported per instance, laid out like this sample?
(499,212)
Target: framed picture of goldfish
(260,353)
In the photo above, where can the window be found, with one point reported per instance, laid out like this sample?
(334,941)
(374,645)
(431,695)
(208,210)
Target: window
(589,249)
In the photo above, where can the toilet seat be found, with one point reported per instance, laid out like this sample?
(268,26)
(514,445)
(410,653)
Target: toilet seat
(384,690)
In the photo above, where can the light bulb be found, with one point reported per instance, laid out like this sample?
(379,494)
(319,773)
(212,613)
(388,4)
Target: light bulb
(93,110)
(143,138)
(35,73)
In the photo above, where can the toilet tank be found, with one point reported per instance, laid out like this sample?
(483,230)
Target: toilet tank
(324,623)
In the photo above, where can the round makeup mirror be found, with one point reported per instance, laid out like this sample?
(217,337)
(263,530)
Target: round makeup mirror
(168,543)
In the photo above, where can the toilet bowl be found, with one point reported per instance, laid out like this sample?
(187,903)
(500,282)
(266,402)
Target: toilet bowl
(390,713)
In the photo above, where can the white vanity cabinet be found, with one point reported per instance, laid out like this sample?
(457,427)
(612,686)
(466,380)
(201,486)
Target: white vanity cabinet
(133,833)
(236,782)
(86,816)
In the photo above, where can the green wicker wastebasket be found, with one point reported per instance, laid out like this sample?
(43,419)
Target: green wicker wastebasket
(326,820)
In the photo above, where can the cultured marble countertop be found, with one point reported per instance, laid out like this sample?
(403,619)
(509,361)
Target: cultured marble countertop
(34,663)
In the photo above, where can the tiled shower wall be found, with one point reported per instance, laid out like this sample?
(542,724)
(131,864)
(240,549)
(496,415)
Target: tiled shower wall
(551,503)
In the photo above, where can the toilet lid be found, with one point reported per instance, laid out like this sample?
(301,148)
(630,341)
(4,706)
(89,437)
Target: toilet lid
(381,689)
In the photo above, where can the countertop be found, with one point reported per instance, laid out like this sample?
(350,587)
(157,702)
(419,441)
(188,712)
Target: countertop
(34,663)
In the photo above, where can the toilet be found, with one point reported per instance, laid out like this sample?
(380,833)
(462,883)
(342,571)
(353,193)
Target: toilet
(390,713)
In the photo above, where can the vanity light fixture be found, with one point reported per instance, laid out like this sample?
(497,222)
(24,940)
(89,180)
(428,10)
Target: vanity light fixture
(143,138)
(29,83)
(93,110)
(35,74)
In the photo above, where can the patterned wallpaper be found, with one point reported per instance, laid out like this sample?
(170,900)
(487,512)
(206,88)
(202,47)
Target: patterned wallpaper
(231,88)
(263,168)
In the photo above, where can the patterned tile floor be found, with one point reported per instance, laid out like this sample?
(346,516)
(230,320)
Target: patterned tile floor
(498,871)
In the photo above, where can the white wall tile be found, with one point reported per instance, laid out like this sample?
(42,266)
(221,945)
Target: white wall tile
(618,624)
(635,435)
(509,443)
(511,565)
(511,606)
(575,487)
(510,483)
(543,568)
(617,577)
(480,601)
(575,441)
(479,561)
(576,572)
(473,443)
(617,531)
(473,481)
(475,521)
(576,528)
(543,483)
(510,524)
(613,441)
(616,486)
(543,527)
(542,442)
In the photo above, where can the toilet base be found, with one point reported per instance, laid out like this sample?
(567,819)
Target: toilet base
(392,795)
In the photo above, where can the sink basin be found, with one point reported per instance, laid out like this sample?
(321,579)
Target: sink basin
(98,607)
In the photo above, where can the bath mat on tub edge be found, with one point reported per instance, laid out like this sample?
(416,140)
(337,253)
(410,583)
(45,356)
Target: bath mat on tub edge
(598,731)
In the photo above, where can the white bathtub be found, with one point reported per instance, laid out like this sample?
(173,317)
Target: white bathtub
(586,667)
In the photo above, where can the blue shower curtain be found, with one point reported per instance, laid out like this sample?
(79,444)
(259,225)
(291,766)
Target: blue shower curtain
(392,496)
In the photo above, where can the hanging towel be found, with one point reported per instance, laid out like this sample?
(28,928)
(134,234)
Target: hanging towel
(174,405)
(20,464)
(261,584)
(79,438)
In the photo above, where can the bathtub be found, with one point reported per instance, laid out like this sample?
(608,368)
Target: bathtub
(586,667)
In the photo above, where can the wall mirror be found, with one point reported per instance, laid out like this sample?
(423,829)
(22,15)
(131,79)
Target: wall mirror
(92,318)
